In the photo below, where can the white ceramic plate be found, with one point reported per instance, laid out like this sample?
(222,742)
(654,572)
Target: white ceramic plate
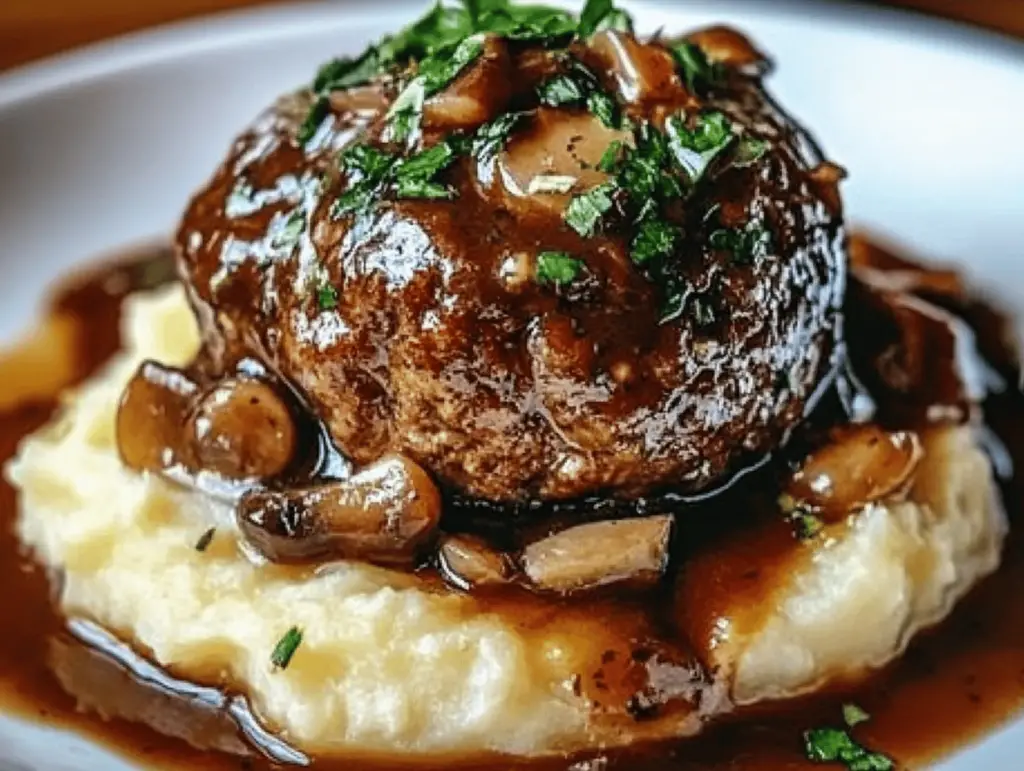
(101,148)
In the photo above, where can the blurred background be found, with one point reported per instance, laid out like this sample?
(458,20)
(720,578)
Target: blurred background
(31,29)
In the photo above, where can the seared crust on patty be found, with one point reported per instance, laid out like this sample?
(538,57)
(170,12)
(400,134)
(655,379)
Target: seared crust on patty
(419,326)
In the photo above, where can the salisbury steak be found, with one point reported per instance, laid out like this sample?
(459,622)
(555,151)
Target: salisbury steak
(539,270)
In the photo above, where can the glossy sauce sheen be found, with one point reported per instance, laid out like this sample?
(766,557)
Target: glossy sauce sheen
(954,683)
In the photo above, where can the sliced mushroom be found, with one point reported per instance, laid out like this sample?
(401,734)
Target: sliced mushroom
(242,429)
(860,465)
(478,95)
(633,552)
(553,158)
(469,562)
(727,46)
(385,514)
(151,416)
(642,72)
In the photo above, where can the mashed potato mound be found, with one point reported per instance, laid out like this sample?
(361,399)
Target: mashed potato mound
(388,665)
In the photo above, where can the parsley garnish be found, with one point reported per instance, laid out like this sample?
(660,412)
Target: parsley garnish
(285,648)
(749,151)
(806,524)
(654,238)
(586,210)
(555,267)
(694,149)
(834,745)
(344,73)
(743,244)
(698,72)
(326,297)
(205,539)
(373,171)
(414,175)
(491,137)
(854,715)
(287,236)
(611,157)
(314,118)
(593,13)
(577,86)
(435,72)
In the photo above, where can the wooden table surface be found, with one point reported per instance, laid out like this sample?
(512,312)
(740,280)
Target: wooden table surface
(30,29)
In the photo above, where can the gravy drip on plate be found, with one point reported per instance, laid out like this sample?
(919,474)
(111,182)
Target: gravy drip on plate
(954,684)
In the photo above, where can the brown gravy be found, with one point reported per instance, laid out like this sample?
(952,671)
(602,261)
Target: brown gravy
(952,686)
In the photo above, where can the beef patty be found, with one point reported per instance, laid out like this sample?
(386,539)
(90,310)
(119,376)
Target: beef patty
(618,269)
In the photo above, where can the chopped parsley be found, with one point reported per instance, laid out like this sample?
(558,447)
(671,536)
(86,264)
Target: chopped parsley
(326,297)
(586,210)
(491,137)
(554,267)
(611,157)
(313,119)
(342,73)
(592,15)
(373,172)
(286,237)
(835,745)
(282,654)
(695,148)
(205,539)
(435,72)
(743,244)
(697,71)
(654,238)
(806,524)
(854,715)
(749,151)
(578,85)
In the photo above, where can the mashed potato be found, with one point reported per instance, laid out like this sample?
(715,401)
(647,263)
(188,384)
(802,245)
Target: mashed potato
(389,665)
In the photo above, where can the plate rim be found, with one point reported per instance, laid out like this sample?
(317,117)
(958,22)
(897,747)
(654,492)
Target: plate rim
(240,28)
(237,27)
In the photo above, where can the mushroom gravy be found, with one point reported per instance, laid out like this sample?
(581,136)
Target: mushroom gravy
(954,683)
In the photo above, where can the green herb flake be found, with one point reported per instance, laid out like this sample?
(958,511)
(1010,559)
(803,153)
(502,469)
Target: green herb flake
(604,108)
(593,13)
(749,151)
(342,73)
(834,745)
(697,71)
(491,137)
(326,297)
(694,149)
(744,245)
(559,268)
(578,86)
(443,67)
(406,112)
(285,649)
(561,90)
(205,539)
(611,157)
(655,238)
(805,524)
(423,189)
(287,235)
(585,211)
(853,715)
(427,163)
(314,118)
